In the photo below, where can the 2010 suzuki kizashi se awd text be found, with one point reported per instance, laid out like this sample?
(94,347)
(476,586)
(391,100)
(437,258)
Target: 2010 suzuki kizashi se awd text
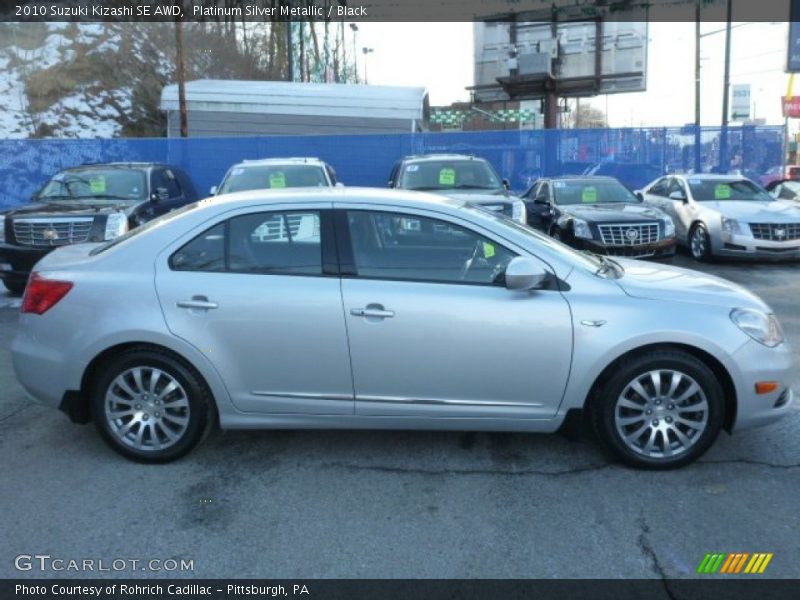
(348,308)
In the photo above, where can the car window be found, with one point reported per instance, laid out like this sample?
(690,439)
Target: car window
(544,193)
(286,243)
(409,247)
(96,185)
(660,187)
(446,174)
(722,190)
(164,178)
(676,185)
(265,177)
(591,191)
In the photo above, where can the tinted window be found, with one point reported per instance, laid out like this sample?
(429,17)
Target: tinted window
(544,193)
(96,184)
(726,189)
(582,191)
(164,178)
(448,175)
(398,246)
(676,186)
(206,252)
(660,187)
(265,177)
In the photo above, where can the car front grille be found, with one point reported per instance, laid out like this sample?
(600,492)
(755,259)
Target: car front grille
(628,234)
(52,232)
(775,232)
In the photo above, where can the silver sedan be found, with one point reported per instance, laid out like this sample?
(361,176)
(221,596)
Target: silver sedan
(348,308)
(725,215)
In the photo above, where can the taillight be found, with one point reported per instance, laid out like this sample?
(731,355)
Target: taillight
(43,294)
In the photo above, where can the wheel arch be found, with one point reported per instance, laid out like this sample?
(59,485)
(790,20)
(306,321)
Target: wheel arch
(719,370)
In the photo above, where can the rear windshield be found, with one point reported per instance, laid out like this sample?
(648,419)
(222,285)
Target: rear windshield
(726,189)
(157,222)
(591,192)
(265,177)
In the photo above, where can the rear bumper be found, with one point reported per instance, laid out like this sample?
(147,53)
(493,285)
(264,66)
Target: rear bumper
(17,262)
(660,249)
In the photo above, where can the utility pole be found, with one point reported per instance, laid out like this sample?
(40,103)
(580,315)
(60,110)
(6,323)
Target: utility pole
(354,28)
(184,119)
(289,52)
(698,153)
(366,51)
(723,141)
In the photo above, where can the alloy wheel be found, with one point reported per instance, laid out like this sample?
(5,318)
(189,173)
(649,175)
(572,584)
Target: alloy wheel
(661,413)
(698,242)
(146,409)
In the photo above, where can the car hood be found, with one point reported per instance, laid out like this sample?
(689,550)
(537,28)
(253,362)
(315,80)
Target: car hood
(52,209)
(755,212)
(612,213)
(664,282)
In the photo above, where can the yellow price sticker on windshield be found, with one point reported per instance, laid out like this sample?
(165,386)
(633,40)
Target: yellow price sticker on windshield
(589,194)
(97,185)
(447,177)
(277,180)
(488,250)
(722,191)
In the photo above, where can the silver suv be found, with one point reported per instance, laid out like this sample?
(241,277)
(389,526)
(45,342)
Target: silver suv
(276,173)
(351,308)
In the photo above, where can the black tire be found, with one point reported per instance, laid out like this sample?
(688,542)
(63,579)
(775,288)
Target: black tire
(699,248)
(15,288)
(193,393)
(604,408)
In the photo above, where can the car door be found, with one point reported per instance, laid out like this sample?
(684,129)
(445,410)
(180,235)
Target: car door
(433,331)
(259,295)
(680,207)
(165,191)
(540,211)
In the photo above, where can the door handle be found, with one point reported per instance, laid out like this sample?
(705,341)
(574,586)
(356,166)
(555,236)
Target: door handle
(372,310)
(199,302)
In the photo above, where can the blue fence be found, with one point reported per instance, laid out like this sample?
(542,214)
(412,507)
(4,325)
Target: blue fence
(635,155)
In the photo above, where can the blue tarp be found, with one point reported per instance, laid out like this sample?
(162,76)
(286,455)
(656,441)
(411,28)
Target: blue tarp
(634,155)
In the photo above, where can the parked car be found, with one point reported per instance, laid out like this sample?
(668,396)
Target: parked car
(90,203)
(632,175)
(276,173)
(724,215)
(389,310)
(459,176)
(599,214)
(786,189)
(780,173)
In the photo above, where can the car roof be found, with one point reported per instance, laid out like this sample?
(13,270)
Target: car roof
(372,196)
(710,176)
(291,160)
(444,156)
(121,165)
(581,178)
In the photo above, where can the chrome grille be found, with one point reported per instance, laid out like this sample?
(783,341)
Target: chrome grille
(628,234)
(57,231)
(775,232)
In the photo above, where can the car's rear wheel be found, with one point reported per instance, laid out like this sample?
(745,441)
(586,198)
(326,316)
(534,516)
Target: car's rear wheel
(700,243)
(660,410)
(15,287)
(149,406)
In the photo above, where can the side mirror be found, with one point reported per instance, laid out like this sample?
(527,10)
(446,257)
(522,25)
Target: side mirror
(212,191)
(677,195)
(506,184)
(639,195)
(542,201)
(390,183)
(524,273)
(160,194)
(339,184)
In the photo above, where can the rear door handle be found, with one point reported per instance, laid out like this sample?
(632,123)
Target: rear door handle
(200,302)
(372,310)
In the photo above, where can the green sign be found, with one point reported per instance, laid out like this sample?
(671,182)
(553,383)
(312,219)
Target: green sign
(277,180)
(722,191)
(447,177)
(97,185)
(589,194)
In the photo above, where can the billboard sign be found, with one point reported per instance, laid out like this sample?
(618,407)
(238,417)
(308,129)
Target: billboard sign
(740,102)
(791,106)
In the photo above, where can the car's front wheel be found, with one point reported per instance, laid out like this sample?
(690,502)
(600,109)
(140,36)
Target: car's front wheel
(150,406)
(659,410)
(700,243)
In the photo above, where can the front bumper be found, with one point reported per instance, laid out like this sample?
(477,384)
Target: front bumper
(661,249)
(746,246)
(16,262)
(759,363)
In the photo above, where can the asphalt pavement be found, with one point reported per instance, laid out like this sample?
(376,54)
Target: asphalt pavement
(342,504)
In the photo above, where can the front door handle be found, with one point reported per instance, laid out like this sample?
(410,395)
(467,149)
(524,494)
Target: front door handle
(200,302)
(375,311)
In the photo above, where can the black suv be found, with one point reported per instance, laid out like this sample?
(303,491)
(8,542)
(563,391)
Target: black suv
(90,203)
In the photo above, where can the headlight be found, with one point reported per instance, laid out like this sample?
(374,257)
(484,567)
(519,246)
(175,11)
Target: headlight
(518,211)
(669,228)
(2,228)
(581,229)
(116,225)
(731,225)
(760,326)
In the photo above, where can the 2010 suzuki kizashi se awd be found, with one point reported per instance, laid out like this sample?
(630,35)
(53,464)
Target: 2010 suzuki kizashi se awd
(348,308)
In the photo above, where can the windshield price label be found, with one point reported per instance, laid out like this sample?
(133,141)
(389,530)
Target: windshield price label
(277,180)
(447,177)
(722,191)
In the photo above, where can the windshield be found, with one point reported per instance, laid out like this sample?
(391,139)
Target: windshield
(467,174)
(265,177)
(96,184)
(591,192)
(727,189)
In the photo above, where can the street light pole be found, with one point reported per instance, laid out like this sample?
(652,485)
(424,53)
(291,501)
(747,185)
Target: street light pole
(354,28)
(723,141)
(366,51)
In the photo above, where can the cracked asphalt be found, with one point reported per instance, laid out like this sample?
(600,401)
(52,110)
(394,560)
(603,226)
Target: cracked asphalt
(339,504)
